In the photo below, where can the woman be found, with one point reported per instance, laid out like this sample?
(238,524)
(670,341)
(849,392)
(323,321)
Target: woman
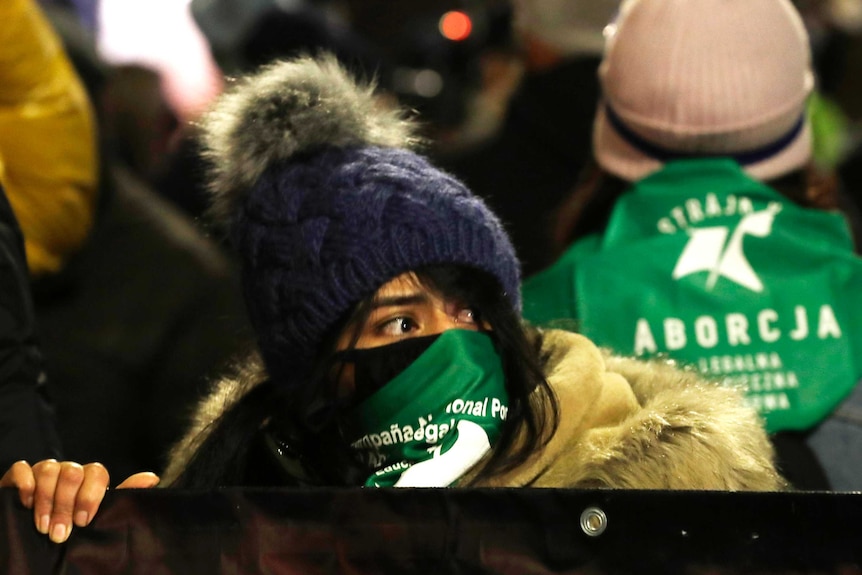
(385,298)
(386,301)
(706,234)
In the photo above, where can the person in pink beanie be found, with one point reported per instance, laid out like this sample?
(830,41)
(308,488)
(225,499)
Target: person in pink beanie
(705,233)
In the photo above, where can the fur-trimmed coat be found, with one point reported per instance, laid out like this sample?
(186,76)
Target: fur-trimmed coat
(631,424)
(623,423)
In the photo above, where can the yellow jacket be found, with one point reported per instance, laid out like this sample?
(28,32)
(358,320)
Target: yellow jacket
(48,159)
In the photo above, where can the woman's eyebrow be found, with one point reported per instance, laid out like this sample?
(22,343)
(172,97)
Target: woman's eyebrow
(400,300)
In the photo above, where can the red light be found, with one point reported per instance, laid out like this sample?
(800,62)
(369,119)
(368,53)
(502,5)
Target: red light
(455,26)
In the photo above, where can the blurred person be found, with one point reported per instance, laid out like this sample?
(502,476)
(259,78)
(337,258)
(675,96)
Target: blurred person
(51,182)
(833,26)
(133,327)
(135,319)
(138,123)
(27,425)
(245,34)
(536,156)
(707,235)
(500,69)
(837,31)
(46,136)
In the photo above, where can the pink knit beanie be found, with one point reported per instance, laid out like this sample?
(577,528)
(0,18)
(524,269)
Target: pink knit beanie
(695,78)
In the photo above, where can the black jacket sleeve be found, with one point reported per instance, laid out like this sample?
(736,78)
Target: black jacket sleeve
(27,425)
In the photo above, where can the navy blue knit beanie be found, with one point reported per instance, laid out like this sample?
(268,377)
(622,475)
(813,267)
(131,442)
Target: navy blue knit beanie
(326,202)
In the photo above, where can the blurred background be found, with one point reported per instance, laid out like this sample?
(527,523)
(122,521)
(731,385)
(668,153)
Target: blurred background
(426,51)
(163,62)
(456,62)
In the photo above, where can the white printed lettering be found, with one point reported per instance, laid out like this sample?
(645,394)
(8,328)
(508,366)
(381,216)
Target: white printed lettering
(674,333)
(801,330)
(706,332)
(828,325)
(768,333)
(737,329)
(644,340)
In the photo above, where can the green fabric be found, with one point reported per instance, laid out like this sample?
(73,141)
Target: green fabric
(438,418)
(705,265)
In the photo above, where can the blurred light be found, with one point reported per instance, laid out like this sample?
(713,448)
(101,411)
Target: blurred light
(162,35)
(425,82)
(455,26)
(428,83)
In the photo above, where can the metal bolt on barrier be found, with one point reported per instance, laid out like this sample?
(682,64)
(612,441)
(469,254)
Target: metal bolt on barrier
(594,521)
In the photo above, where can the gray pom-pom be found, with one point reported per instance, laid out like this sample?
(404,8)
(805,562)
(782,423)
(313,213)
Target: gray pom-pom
(286,108)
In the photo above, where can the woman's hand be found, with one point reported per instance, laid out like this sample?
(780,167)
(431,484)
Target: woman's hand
(61,493)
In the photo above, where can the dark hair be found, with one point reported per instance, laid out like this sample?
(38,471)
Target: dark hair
(533,411)
(587,207)
(306,419)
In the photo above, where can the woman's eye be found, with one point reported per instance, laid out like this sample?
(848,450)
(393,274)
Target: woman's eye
(466,315)
(398,326)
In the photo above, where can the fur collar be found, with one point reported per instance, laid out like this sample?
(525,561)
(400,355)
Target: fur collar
(631,424)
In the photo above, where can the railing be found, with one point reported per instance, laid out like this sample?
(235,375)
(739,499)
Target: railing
(509,531)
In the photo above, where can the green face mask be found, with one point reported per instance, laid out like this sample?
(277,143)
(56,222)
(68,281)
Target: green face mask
(436,419)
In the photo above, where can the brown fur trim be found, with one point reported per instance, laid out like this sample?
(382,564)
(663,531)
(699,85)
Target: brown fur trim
(634,424)
(225,393)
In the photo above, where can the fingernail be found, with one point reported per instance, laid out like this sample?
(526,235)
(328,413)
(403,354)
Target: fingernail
(58,534)
(44,523)
(28,502)
(81,518)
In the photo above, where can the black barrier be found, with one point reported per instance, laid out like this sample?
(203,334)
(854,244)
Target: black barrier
(507,531)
